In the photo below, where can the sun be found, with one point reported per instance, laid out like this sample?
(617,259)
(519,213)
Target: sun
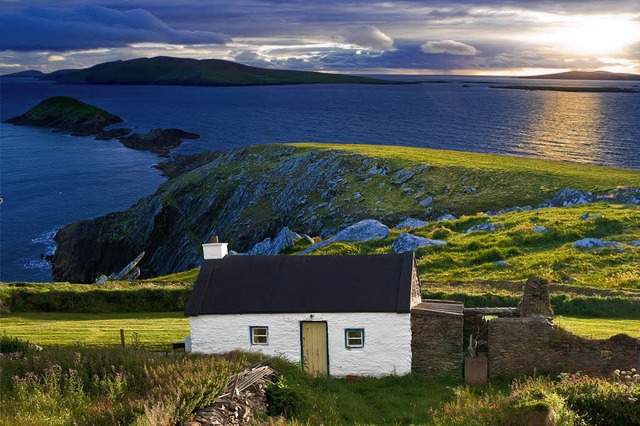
(591,35)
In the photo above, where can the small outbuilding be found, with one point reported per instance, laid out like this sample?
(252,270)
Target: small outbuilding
(337,315)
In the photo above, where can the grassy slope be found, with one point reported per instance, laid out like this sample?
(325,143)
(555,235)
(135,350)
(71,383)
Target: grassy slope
(68,111)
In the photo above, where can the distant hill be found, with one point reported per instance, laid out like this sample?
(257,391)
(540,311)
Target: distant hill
(24,74)
(587,75)
(164,70)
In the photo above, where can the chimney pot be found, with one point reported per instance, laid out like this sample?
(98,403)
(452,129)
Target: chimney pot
(214,239)
(214,249)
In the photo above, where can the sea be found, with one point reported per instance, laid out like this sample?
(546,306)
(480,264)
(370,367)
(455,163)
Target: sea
(48,179)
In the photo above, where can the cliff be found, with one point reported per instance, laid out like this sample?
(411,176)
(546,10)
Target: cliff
(68,115)
(249,194)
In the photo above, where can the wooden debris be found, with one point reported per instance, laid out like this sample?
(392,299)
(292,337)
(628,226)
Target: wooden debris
(245,393)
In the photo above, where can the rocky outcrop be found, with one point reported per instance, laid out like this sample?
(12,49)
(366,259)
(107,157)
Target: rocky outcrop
(365,230)
(158,141)
(68,115)
(407,242)
(181,164)
(411,223)
(590,243)
(483,227)
(107,135)
(285,239)
(243,196)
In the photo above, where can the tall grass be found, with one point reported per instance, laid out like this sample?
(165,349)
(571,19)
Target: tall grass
(108,386)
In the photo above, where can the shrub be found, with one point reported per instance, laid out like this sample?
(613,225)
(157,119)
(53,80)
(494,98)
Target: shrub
(283,399)
(13,344)
(603,401)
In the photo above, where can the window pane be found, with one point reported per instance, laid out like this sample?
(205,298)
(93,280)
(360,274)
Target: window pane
(259,335)
(354,338)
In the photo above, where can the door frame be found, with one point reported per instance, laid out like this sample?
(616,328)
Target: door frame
(302,347)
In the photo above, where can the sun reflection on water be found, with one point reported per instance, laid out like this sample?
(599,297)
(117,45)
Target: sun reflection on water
(567,126)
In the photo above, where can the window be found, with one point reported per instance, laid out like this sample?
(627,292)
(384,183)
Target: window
(354,338)
(259,335)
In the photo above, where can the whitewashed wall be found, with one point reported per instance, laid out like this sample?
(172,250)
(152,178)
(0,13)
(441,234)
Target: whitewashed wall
(387,347)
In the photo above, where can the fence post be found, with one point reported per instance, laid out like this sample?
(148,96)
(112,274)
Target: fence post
(122,337)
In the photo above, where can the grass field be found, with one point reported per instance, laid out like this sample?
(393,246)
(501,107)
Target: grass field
(600,328)
(150,330)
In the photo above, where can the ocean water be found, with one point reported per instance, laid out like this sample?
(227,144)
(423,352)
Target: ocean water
(49,179)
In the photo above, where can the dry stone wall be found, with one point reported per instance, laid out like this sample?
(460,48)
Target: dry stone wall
(519,346)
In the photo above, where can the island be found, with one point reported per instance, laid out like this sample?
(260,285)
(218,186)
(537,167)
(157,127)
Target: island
(163,70)
(68,115)
(158,141)
(570,89)
(587,75)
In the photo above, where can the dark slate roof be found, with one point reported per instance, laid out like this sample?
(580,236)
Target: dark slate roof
(294,284)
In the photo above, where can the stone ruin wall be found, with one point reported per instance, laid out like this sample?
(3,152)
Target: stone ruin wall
(519,346)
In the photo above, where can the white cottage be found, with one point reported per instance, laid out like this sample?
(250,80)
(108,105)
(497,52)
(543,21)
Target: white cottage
(337,315)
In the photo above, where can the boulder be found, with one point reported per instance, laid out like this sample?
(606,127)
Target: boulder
(540,229)
(407,242)
(285,239)
(501,263)
(446,217)
(426,201)
(588,216)
(635,243)
(483,227)
(410,223)
(375,170)
(568,197)
(402,176)
(365,230)
(589,243)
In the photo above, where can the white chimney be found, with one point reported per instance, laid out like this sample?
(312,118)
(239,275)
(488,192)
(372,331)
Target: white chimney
(214,249)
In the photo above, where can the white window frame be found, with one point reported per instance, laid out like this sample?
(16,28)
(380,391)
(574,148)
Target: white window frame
(348,341)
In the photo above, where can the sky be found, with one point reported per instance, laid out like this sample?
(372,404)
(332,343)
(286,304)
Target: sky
(513,37)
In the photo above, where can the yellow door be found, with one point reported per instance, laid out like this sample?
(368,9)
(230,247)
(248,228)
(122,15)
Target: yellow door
(314,347)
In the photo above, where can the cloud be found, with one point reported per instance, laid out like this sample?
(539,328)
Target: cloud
(56,58)
(448,46)
(90,27)
(367,36)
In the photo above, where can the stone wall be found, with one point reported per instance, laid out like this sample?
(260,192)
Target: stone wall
(436,344)
(519,346)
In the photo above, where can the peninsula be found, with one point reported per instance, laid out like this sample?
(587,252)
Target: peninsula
(570,89)
(164,70)
(587,75)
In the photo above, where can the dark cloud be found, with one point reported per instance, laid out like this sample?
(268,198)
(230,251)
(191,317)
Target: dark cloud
(90,27)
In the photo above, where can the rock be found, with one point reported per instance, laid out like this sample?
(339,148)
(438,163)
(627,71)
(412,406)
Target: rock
(446,217)
(308,238)
(68,115)
(635,243)
(501,263)
(588,216)
(407,242)
(365,230)
(490,226)
(285,239)
(158,141)
(107,135)
(426,201)
(589,243)
(181,164)
(410,223)
(402,176)
(568,197)
(357,195)
(375,170)
(535,300)
(629,195)
(541,229)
